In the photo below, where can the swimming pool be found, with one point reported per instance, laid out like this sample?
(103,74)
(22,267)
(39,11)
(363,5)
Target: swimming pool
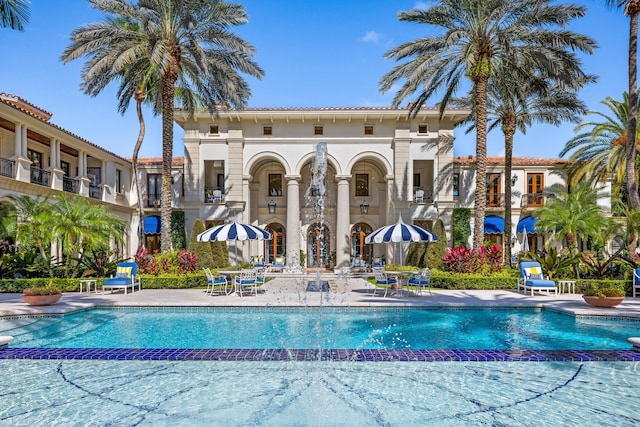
(321,328)
(159,393)
(276,390)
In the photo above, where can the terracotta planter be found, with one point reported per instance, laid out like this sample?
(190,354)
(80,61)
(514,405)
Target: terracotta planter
(41,299)
(603,302)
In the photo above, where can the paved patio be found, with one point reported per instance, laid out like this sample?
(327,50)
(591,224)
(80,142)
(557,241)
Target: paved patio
(345,292)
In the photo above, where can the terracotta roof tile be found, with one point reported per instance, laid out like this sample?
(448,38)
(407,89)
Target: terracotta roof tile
(149,161)
(520,161)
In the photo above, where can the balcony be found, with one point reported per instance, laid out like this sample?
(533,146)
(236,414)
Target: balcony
(95,192)
(153,201)
(40,177)
(423,195)
(8,168)
(70,185)
(213,196)
(532,200)
(495,200)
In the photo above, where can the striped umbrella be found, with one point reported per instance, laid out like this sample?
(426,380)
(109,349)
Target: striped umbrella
(234,231)
(400,232)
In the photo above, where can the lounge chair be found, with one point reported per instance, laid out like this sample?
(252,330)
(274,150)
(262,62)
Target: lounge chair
(278,264)
(383,280)
(421,280)
(636,281)
(246,280)
(378,262)
(218,285)
(358,265)
(532,279)
(126,277)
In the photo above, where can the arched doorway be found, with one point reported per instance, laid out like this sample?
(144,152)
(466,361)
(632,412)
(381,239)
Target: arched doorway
(358,248)
(318,247)
(276,246)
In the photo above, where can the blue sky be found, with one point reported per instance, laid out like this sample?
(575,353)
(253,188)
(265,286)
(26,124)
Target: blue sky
(315,54)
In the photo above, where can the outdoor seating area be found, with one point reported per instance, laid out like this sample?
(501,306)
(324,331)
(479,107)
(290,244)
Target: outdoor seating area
(126,277)
(421,281)
(635,285)
(278,264)
(217,285)
(383,280)
(532,279)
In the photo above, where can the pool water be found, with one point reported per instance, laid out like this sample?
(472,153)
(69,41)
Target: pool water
(155,393)
(321,328)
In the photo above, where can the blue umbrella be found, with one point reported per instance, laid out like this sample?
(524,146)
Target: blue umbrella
(400,232)
(233,231)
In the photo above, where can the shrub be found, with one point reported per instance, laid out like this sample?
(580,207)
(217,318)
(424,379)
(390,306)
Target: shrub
(203,250)
(43,290)
(146,263)
(604,291)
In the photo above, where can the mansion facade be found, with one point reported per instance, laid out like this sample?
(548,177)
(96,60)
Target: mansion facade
(255,166)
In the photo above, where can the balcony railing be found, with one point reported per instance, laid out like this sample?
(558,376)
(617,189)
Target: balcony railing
(532,200)
(70,185)
(95,192)
(40,176)
(495,200)
(423,195)
(8,168)
(215,196)
(153,201)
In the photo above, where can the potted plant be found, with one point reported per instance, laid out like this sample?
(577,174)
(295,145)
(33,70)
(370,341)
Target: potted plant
(603,296)
(44,295)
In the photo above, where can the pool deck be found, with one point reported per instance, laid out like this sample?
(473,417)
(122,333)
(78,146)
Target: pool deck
(291,292)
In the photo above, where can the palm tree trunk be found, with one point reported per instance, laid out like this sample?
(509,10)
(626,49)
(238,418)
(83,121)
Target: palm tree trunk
(167,158)
(509,129)
(480,199)
(139,96)
(632,182)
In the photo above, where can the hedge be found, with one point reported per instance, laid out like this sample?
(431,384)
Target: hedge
(166,281)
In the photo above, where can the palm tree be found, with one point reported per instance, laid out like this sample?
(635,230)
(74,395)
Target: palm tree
(571,215)
(182,42)
(631,8)
(523,35)
(81,226)
(515,104)
(599,148)
(35,223)
(14,14)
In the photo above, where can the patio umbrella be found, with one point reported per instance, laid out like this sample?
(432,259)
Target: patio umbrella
(525,240)
(234,231)
(400,232)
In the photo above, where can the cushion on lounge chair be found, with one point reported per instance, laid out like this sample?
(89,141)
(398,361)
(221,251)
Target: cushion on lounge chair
(533,273)
(123,272)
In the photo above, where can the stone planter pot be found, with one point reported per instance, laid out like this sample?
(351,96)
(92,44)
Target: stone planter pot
(41,299)
(603,302)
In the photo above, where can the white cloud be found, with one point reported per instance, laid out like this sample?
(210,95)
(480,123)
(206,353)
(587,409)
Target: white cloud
(371,36)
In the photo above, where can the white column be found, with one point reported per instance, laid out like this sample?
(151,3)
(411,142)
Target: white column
(343,219)
(23,142)
(293,220)
(18,140)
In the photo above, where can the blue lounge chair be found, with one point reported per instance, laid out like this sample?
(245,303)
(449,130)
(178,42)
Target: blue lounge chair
(257,261)
(532,279)
(126,277)
(278,264)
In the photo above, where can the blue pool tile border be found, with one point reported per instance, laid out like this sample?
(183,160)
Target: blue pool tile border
(300,355)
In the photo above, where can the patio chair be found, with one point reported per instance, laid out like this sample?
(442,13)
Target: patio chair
(246,280)
(383,280)
(126,277)
(358,265)
(278,264)
(419,196)
(532,279)
(636,281)
(216,284)
(378,262)
(260,276)
(257,261)
(217,196)
(421,280)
